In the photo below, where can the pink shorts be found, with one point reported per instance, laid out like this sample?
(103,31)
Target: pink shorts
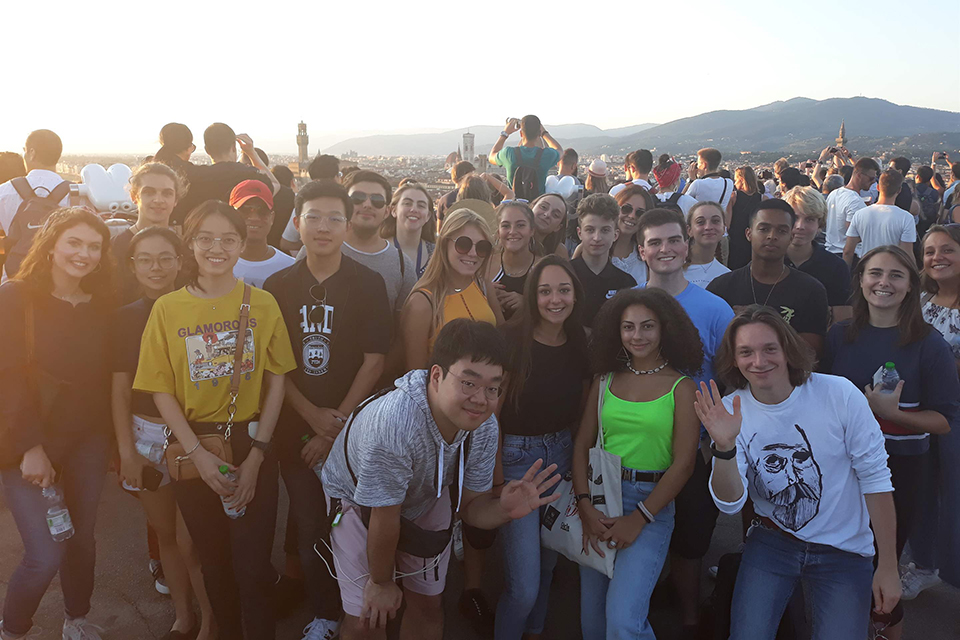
(349,541)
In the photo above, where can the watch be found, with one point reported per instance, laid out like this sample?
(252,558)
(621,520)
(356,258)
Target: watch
(504,134)
(723,455)
(580,496)
(265,447)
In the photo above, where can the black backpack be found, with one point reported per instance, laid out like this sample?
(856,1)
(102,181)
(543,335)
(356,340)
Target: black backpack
(672,203)
(526,178)
(30,218)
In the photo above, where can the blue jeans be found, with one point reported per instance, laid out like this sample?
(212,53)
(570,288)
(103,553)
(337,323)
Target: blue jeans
(617,609)
(836,586)
(84,467)
(933,540)
(527,567)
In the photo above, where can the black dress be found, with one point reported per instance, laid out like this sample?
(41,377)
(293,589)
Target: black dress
(739,221)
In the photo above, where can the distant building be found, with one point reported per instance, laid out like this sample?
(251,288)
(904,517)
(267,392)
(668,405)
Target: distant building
(452,159)
(468,146)
(303,140)
(842,138)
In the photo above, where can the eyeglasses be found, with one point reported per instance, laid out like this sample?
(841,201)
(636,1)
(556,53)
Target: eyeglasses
(627,209)
(331,222)
(206,243)
(146,262)
(377,201)
(463,244)
(319,294)
(471,388)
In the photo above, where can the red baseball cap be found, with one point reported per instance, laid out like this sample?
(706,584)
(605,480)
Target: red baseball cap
(250,189)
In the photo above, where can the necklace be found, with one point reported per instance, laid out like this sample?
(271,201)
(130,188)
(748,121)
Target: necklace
(753,286)
(643,372)
(503,267)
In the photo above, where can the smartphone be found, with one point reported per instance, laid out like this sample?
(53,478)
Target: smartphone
(151,478)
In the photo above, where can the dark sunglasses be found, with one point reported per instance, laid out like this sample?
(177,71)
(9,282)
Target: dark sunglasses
(627,209)
(319,294)
(463,244)
(377,201)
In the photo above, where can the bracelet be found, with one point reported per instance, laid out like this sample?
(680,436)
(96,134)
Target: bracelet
(642,508)
(723,455)
(195,447)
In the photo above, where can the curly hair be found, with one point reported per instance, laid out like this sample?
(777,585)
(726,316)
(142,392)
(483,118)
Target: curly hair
(680,343)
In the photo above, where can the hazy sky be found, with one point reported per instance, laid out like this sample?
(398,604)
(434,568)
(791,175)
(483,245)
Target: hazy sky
(107,75)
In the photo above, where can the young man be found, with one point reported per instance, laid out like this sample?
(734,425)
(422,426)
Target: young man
(768,281)
(597,227)
(258,260)
(882,223)
(846,201)
(458,172)
(339,320)
(532,139)
(808,451)
(395,469)
(662,235)
(41,153)
(710,186)
(637,165)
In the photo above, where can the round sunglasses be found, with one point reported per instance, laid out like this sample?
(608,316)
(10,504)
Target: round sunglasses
(377,201)
(627,209)
(463,244)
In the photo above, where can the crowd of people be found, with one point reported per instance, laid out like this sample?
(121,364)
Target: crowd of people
(430,379)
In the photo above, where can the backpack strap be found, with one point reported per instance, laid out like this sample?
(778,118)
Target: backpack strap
(23,188)
(353,417)
(27,192)
(403,267)
(59,192)
(675,198)
(724,191)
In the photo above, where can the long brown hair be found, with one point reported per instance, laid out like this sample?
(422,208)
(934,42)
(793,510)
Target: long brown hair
(746,180)
(910,322)
(36,270)
(927,283)
(388,228)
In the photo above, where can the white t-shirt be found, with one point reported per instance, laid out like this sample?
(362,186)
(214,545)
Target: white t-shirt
(685,201)
(256,273)
(702,274)
(290,233)
(714,189)
(617,188)
(881,224)
(807,462)
(842,203)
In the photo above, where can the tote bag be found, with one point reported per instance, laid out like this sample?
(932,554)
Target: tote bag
(561,529)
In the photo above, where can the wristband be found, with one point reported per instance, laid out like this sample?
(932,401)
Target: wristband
(504,134)
(580,496)
(723,455)
(642,508)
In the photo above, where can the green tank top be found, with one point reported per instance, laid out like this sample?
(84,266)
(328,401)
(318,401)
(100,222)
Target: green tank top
(641,433)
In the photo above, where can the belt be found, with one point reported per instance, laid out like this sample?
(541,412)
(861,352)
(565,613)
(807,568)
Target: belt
(640,476)
(770,524)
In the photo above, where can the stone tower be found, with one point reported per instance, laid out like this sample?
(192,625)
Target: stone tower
(468,153)
(302,140)
(842,138)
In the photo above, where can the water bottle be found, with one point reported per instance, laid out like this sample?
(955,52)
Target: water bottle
(889,379)
(58,518)
(232,512)
(152,451)
(317,468)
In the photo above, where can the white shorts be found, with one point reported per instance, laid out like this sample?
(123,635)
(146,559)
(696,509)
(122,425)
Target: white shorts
(148,433)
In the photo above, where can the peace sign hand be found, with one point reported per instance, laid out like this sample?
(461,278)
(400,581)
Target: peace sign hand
(521,497)
(719,423)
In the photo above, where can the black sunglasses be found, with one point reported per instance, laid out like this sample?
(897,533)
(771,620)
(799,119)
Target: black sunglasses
(627,209)
(319,294)
(376,200)
(463,244)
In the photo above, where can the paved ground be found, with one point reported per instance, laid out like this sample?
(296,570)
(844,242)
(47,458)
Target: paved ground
(126,604)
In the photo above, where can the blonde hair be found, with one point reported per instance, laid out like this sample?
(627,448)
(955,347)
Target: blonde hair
(160,169)
(809,201)
(435,282)
(745,180)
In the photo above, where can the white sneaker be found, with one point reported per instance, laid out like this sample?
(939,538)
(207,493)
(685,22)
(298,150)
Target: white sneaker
(159,580)
(80,629)
(34,632)
(321,629)
(915,580)
(458,539)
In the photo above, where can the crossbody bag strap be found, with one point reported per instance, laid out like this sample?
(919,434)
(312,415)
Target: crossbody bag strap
(604,381)
(238,357)
(346,428)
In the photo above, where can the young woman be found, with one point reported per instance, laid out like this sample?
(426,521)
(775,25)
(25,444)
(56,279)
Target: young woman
(705,226)
(808,452)
(644,348)
(888,326)
(410,225)
(187,363)
(155,259)
(633,200)
(744,201)
(545,393)
(55,336)
(596,181)
(518,251)
(550,215)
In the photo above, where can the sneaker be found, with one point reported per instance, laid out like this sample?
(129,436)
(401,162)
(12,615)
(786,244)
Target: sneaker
(80,629)
(476,610)
(159,581)
(34,632)
(321,629)
(458,540)
(713,571)
(914,580)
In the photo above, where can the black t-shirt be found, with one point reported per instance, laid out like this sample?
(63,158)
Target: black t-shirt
(829,270)
(551,396)
(598,288)
(129,323)
(282,210)
(357,320)
(798,297)
(905,197)
(446,201)
(213,182)
(128,289)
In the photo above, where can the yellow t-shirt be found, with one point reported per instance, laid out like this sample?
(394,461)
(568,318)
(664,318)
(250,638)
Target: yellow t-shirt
(469,303)
(188,347)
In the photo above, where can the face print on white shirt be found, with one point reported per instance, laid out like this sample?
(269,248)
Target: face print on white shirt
(787,475)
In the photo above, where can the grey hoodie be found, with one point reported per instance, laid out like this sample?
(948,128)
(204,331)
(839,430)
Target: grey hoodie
(395,448)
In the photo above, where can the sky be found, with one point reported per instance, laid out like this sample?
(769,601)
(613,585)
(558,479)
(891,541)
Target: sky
(107,75)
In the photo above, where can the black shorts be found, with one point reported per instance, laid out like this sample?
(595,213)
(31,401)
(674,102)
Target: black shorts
(695,514)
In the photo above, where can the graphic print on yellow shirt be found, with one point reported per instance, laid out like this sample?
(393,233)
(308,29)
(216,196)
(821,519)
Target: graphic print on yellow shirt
(188,346)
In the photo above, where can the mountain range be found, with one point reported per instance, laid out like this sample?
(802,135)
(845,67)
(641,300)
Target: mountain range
(800,125)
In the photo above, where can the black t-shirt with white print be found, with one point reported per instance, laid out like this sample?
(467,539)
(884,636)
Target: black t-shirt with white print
(357,319)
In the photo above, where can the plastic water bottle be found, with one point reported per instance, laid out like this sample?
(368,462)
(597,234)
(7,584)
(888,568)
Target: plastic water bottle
(317,468)
(889,379)
(232,512)
(58,518)
(152,451)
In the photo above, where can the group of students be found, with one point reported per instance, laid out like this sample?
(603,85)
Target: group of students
(401,377)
